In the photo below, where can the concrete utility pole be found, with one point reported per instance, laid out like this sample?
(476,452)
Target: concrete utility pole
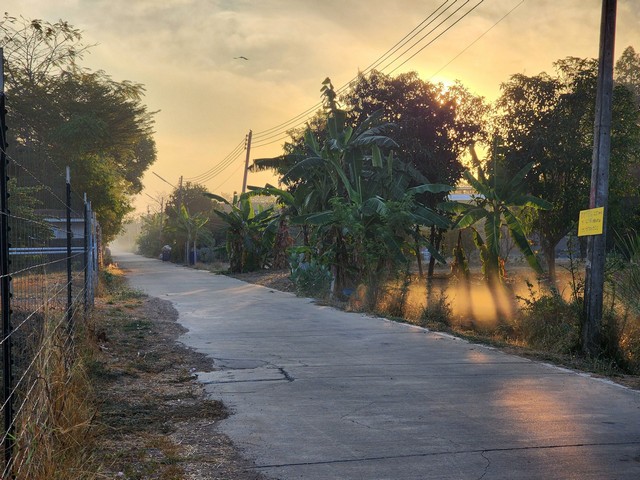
(246,162)
(594,280)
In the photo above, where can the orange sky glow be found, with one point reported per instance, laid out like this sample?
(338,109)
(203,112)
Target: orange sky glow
(183,52)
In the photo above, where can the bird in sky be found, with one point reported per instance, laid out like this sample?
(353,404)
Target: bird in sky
(241,57)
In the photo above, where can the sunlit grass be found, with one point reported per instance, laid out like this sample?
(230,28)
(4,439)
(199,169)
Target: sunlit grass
(524,312)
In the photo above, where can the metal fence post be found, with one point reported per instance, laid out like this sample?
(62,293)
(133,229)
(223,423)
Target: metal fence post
(92,254)
(69,238)
(5,282)
(87,272)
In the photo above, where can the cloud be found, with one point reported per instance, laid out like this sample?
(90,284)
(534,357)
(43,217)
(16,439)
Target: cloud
(183,50)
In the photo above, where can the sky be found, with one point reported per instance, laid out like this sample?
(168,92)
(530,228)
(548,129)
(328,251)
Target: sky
(184,52)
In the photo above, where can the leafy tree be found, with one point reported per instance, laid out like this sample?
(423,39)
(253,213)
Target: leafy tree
(190,225)
(548,121)
(627,71)
(150,240)
(28,228)
(362,205)
(61,114)
(188,211)
(433,126)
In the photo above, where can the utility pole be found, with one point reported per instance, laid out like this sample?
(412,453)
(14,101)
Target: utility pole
(161,220)
(246,162)
(599,195)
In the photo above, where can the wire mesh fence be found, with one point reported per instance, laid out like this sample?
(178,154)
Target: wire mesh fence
(49,244)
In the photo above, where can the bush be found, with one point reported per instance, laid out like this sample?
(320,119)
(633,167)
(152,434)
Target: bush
(437,312)
(311,278)
(549,323)
(621,340)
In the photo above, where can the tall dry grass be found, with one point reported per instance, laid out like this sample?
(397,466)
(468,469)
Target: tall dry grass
(54,407)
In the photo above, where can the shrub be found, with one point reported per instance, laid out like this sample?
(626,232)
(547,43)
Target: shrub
(310,277)
(437,311)
(549,323)
(621,340)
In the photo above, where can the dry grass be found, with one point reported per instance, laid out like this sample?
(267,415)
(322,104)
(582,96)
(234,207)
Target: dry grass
(121,401)
(157,422)
(54,411)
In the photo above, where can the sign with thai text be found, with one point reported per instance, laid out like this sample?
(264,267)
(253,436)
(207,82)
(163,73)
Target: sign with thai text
(591,222)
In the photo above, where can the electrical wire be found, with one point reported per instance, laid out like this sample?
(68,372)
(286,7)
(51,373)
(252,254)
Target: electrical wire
(439,35)
(227,179)
(476,40)
(409,36)
(227,164)
(279,134)
(197,178)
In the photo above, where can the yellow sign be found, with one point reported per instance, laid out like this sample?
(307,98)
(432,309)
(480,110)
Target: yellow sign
(591,222)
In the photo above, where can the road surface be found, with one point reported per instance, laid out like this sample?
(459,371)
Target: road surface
(322,394)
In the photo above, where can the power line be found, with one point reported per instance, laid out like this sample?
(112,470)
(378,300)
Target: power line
(439,35)
(221,168)
(228,178)
(197,178)
(281,137)
(408,37)
(476,40)
(420,27)
(279,134)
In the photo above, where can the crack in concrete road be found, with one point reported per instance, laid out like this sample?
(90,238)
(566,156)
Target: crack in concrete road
(486,468)
(456,452)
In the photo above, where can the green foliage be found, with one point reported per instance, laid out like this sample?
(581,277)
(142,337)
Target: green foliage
(547,121)
(437,312)
(27,227)
(61,114)
(310,277)
(627,71)
(627,277)
(431,127)
(500,201)
(431,124)
(150,240)
(547,322)
(358,198)
(250,234)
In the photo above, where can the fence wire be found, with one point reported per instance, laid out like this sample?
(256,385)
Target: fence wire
(53,243)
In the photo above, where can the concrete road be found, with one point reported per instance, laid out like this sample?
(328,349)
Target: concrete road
(322,394)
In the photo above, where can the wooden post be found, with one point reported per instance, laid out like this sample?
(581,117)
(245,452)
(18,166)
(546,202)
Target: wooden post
(596,244)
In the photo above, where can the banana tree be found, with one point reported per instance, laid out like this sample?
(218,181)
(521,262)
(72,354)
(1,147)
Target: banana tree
(372,212)
(190,225)
(291,204)
(499,202)
(249,233)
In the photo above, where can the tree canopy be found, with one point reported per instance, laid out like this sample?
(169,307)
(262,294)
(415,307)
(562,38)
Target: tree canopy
(547,121)
(60,114)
